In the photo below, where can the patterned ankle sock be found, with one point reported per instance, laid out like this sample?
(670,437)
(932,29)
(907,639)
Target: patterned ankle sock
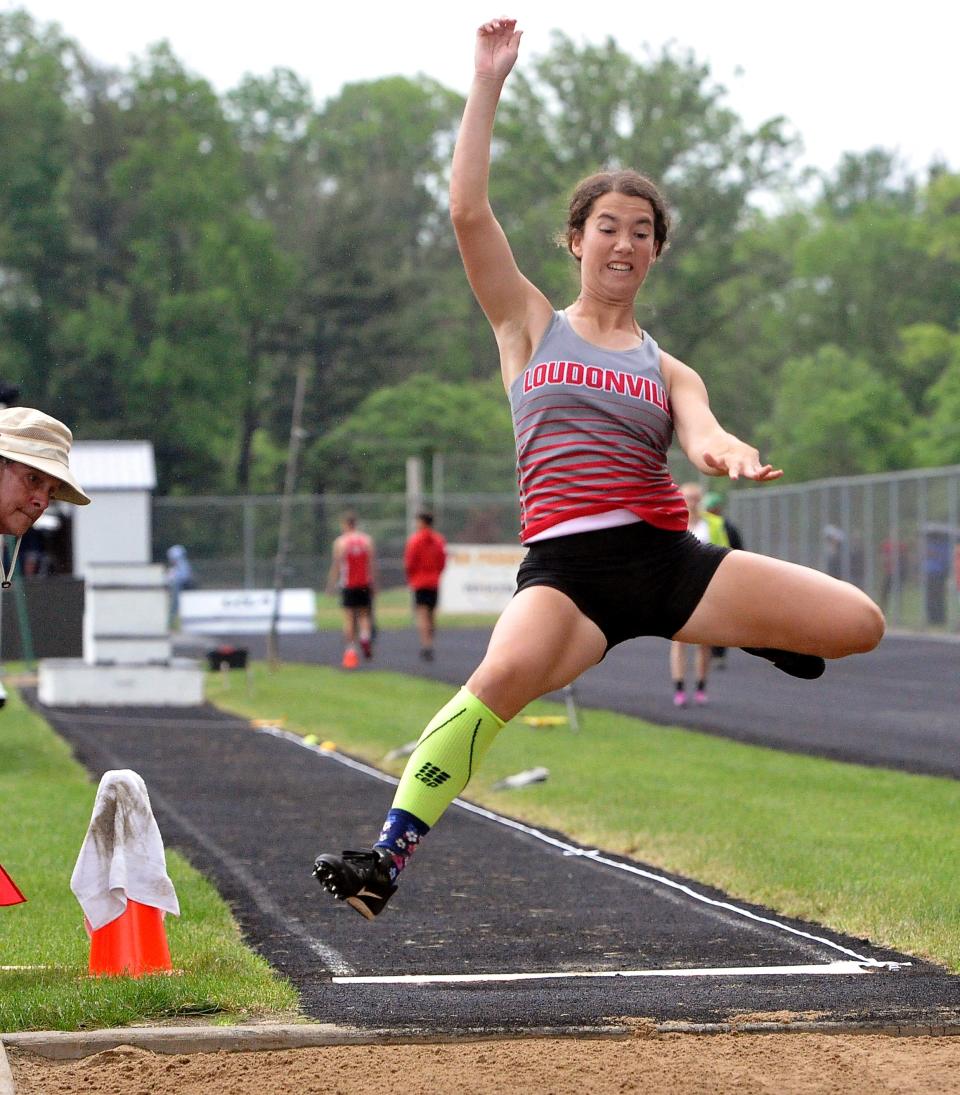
(400,835)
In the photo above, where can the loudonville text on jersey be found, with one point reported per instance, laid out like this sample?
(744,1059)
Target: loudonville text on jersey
(577,374)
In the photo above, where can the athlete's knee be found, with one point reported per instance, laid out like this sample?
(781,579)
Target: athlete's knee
(861,627)
(873,625)
(495,674)
(504,684)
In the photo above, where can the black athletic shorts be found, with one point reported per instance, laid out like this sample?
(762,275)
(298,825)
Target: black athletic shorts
(630,580)
(356,597)
(426,597)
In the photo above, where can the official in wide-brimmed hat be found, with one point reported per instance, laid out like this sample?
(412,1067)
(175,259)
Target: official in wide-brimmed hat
(34,471)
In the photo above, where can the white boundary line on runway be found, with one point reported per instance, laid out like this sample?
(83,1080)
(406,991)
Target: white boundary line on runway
(818,970)
(592,854)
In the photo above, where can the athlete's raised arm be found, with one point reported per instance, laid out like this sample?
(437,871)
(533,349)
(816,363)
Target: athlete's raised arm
(516,309)
(708,446)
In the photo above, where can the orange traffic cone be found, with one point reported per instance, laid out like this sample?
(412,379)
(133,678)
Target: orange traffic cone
(121,860)
(132,945)
(350,659)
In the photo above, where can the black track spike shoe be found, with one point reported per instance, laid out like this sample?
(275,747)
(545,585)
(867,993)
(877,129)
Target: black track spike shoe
(362,879)
(806,666)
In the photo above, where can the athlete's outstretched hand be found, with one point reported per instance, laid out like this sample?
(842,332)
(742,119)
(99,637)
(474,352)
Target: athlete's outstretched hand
(498,42)
(735,458)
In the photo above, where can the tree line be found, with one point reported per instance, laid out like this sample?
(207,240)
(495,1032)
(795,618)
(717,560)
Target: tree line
(170,256)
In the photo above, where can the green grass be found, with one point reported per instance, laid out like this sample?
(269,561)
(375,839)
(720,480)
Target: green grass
(866,851)
(46,799)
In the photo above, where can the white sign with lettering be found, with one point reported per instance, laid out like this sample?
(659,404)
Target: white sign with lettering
(246,611)
(480,577)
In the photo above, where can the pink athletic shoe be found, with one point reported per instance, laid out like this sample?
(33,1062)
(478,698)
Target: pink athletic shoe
(680,699)
(700,697)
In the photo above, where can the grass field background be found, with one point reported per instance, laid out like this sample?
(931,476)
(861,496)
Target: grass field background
(865,851)
(46,799)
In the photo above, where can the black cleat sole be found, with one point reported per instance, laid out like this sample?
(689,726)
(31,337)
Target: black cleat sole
(360,879)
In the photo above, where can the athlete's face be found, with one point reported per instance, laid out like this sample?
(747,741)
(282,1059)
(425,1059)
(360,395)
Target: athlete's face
(616,247)
(24,494)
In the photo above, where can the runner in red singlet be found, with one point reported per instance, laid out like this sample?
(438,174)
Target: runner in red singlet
(353,571)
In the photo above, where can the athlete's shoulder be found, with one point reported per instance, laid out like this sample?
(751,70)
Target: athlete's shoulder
(676,371)
(668,362)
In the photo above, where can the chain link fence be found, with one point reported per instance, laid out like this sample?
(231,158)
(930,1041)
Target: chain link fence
(897,536)
(232,541)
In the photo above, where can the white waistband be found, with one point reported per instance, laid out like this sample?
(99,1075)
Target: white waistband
(610,518)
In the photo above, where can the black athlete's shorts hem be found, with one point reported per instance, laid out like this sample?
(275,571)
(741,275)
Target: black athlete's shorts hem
(426,597)
(356,597)
(630,580)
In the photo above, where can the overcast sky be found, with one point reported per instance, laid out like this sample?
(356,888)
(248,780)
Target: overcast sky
(849,75)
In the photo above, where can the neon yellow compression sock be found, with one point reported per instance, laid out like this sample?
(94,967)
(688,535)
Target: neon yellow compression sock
(448,753)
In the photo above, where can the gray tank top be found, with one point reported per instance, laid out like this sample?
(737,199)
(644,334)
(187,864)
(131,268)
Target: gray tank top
(592,427)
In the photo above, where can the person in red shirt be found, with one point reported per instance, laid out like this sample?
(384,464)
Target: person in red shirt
(424,558)
(353,571)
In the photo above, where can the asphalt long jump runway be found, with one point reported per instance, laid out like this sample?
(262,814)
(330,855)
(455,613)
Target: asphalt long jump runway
(497,927)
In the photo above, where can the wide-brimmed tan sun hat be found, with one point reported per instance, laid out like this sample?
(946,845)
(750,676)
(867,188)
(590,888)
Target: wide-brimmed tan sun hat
(33,438)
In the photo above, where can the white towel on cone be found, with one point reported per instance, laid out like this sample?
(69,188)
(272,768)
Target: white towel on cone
(122,855)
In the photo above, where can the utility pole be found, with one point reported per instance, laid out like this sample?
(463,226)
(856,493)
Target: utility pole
(297,434)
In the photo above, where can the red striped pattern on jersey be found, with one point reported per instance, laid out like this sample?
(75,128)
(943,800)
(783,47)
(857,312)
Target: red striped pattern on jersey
(592,434)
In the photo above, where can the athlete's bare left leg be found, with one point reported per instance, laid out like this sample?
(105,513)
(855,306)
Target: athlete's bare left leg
(756,601)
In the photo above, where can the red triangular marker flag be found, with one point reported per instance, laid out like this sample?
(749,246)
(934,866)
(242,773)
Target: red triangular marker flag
(9,893)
